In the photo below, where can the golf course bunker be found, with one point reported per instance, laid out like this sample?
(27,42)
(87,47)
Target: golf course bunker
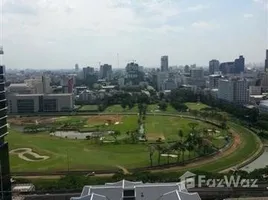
(76,135)
(27,154)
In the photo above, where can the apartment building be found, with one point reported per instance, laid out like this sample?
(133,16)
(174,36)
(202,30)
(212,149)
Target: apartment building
(34,103)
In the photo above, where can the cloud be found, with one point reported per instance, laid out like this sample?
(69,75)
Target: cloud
(263,3)
(203,25)
(198,7)
(248,15)
(19,7)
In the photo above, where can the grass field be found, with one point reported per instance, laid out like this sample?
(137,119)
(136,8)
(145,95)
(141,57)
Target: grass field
(83,155)
(151,108)
(89,108)
(196,106)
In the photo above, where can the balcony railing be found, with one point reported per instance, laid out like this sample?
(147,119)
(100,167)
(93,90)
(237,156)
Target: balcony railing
(2,96)
(3,104)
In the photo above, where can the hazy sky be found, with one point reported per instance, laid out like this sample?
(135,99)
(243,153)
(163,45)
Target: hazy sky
(59,33)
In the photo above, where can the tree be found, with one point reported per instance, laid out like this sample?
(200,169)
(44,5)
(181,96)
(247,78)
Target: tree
(151,153)
(193,125)
(115,135)
(163,106)
(180,134)
(159,149)
(124,104)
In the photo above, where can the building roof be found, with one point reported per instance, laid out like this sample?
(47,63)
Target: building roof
(18,85)
(49,95)
(150,191)
(264,103)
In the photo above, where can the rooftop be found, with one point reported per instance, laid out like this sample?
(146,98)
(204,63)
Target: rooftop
(138,191)
(48,95)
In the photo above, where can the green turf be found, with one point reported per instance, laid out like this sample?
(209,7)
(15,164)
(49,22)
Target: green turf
(170,126)
(89,108)
(196,106)
(119,109)
(82,154)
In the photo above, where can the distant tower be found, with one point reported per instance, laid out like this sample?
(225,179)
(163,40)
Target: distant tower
(164,63)
(266,62)
(4,152)
(76,67)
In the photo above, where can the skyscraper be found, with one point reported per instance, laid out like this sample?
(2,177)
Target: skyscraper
(239,65)
(5,185)
(105,71)
(266,61)
(214,66)
(164,63)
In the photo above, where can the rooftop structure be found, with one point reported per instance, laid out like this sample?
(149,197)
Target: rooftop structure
(127,190)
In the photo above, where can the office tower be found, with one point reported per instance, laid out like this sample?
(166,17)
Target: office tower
(197,73)
(87,71)
(227,67)
(187,69)
(5,189)
(266,61)
(46,84)
(234,90)
(239,65)
(105,71)
(76,67)
(214,66)
(164,63)
(214,81)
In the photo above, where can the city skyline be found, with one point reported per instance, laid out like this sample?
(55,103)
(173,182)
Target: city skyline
(89,32)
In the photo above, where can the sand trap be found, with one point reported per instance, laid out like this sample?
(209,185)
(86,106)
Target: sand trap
(21,151)
(170,155)
(154,136)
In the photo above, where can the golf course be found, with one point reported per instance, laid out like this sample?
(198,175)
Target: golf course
(113,141)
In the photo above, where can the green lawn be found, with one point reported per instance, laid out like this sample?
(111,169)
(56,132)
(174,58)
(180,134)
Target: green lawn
(82,154)
(119,109)
(196,106)
(89,108)
(168,127)
(152,108)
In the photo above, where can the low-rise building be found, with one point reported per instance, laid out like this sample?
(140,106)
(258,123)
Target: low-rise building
(34,103)
(263,107)
(127,190)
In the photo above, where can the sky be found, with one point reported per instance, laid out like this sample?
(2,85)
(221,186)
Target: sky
(50,34)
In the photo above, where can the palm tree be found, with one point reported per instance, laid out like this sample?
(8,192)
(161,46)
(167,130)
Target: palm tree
(177,147)
(190,147)
(180,134)
(193,125)
(151,153)
(183,149)
(159,148)
(167,150)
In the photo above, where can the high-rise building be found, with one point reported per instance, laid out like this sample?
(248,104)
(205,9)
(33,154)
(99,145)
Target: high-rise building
(214,66)
(197,73)
(266,61)
(239,65)
(4,152)
(234,90)
(87,71)
(214,81)
(76,67)
(187,69)
(164,63)
(105,71)
(227,67)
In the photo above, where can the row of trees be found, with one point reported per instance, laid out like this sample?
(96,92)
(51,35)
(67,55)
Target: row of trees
(76,182)
(196,143)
